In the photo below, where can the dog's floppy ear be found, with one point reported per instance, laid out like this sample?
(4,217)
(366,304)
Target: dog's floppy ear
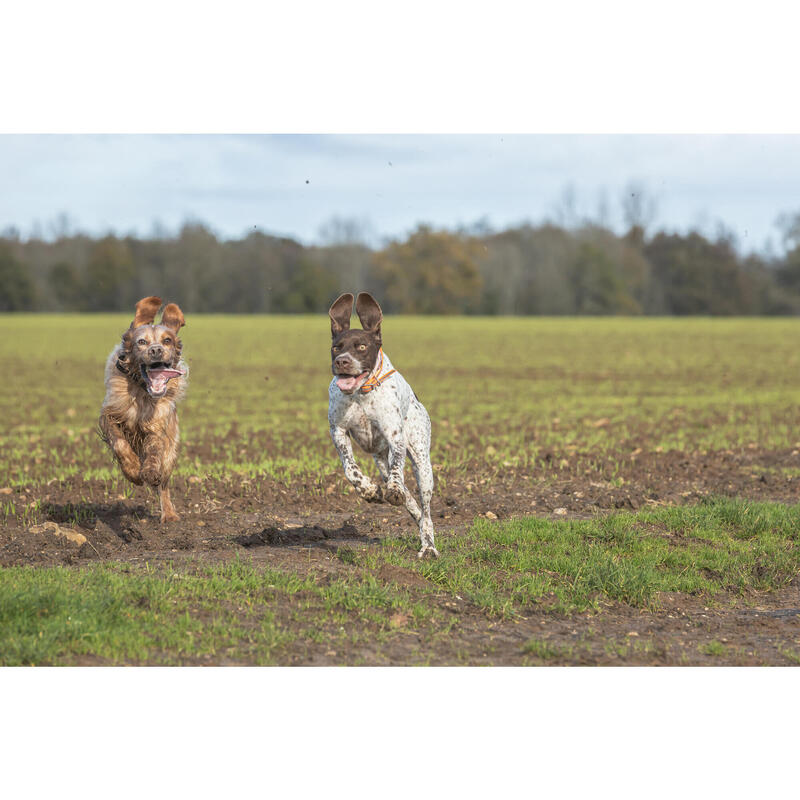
(173,317)
(369,312)
(146,310)
(340,313)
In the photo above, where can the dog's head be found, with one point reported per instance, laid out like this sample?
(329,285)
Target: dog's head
(354,354)
(150,353)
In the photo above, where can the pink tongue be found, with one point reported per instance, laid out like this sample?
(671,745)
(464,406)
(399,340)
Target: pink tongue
(347,384)
(159,377)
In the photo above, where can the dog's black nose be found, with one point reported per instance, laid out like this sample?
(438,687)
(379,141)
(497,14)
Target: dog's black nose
(342,362)
(155,351)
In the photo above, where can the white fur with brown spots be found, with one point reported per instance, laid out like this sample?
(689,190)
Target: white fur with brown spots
(388,422)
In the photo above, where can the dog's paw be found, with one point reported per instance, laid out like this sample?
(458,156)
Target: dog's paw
(430,549)
(169,516)
(129,464)
(394,494)
(372,493)
(151,475)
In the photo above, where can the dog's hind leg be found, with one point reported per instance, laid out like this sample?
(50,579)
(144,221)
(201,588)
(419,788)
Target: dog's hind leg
(423,472)
(418,433)
(382,462)
(155,472)
(168,513)
(162,452)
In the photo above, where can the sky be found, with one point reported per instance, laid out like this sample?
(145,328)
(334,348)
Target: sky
(293,185)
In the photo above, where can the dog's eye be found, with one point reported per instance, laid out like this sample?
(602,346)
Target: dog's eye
(142,341)
(362,347)
(337,348)
(167,340)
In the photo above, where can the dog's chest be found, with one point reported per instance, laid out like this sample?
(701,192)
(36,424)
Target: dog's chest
(142,416)
(363,430)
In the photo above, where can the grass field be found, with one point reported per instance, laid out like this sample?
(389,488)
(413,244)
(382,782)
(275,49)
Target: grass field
(642,470)
(500,391)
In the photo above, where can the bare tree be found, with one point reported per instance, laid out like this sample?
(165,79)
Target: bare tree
(639,207)
(346,230)
(789,226)
(566,208)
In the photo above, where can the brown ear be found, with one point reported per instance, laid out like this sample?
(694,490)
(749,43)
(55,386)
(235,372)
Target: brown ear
(340,313)
(369,312)
(146,310)
(173,317)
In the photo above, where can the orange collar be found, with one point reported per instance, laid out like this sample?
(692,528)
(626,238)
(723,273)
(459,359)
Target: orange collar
(374,382)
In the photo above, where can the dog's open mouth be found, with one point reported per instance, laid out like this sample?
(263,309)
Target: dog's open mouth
(157,376)
(349,383)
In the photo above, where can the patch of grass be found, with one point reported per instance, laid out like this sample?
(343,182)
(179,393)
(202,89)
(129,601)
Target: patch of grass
(115,614)
(57,615)
(792,655)
(541,649)
(720,546)
(713,648)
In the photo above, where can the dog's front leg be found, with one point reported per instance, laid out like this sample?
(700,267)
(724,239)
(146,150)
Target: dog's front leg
(128,460)
(367,488)
(152,459)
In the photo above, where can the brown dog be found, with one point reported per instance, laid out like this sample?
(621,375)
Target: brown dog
(145,378)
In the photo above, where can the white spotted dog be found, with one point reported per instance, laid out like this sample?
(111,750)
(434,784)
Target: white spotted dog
(371,402)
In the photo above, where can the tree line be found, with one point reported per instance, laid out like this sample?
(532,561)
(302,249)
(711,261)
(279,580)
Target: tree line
(524,270)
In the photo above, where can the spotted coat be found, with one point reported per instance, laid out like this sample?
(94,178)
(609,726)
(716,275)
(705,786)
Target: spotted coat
(389,423)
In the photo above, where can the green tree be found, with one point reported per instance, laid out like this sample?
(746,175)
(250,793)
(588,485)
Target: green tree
(698,276)
(67,287)
(599,284)
(309,288)
(788,273)
(432,272)
(17,291)
(110,276)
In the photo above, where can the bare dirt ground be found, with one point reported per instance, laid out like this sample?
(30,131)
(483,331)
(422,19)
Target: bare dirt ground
(304,528)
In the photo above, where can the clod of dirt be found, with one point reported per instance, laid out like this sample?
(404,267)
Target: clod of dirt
(398,620)
(561,511)
(57,530)
(297,535)
(490,515)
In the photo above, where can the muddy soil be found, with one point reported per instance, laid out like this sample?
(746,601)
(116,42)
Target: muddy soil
(303,526)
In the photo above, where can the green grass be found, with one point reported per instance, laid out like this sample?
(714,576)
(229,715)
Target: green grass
(714,648)
(239,613)
(538,648)
(112,613)
(721,546)
(502,392)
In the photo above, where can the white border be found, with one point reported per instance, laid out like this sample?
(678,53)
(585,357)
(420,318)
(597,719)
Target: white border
(436,67)
(448,732)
